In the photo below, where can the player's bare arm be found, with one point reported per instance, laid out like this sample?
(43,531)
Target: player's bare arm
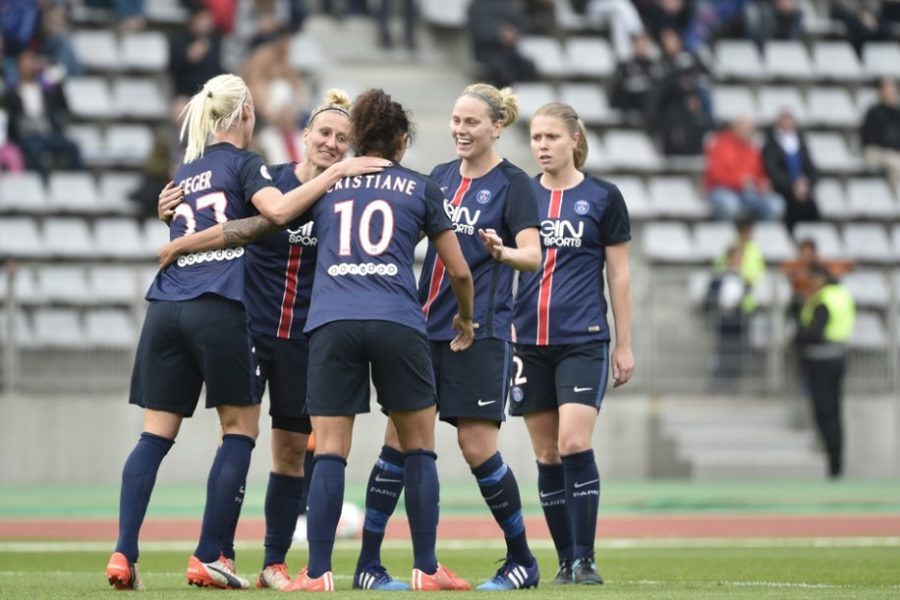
(526,256)
(446,244)
(618,276)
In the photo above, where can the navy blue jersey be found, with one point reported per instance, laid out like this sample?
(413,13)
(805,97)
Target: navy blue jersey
(217,188)
(368,228)
(563,302)
(280,269)
(503,200)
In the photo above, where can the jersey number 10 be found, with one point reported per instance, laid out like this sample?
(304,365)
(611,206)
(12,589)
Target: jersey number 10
(345,210)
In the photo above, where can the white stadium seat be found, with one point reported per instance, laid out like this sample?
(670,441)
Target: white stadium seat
(632,150)
(109,328)
(145,51)
(825,235)
(868,288)
(636,197)
(836,61)
(20,238)
(73,192)
(58,328)
(140,98)
(590,57)
(869,332)
(63,283)
(128,145)
(881,59)
(445,13)
(676,196)
(787,60)
(773,99)
(738,59)
(668,242)
(115,188)
(588,100)
(895,235)
(830,153)
(90,98)
(712,239)
(533,95)
(113,284)
(89,138)
(120,237)
(832,107)
(68,237)
(97,49)
(597,161)
(774,241)
(547,54)
(871,197)
(868,242)
(26,288)
(831,198)
(306,54)
(733,101)
(22,192)
(155,235)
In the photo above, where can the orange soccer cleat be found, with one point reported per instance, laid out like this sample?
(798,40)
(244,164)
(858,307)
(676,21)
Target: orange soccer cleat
(122,574)
(304,583)
(218,574)
(442,579)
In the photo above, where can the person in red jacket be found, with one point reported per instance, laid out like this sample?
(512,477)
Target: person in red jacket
(735,177)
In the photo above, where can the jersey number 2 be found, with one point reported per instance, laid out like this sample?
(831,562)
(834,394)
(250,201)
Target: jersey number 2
(345,210)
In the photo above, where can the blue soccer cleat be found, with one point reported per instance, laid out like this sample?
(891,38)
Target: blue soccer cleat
(513,576)
(375,577)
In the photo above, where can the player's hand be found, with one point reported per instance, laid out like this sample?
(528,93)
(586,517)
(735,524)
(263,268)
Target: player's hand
(363,165)
(492,242)
(622,366)
(169,198)
(169,253)
(465,335)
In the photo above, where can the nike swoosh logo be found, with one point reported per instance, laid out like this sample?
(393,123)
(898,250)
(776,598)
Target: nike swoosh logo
(584,483)
(381,479)
(548,494)
(577,389)
(494,496)
(485,402)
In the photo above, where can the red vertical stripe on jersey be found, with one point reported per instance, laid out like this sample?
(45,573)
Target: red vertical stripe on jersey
(291,274)
(437,272)
(546,292)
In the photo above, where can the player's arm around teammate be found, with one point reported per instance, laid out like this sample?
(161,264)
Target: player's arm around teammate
(562,360)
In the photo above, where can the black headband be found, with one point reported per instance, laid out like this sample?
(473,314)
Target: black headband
(498,116)
(334,107)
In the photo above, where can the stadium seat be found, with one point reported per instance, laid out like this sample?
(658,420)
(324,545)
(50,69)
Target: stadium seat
(836,61)
(155,235)
(868,242)
(63,284)
(868,288)
(119,237)
(589,57)
(825,235)
(22,327)
(895,236)
(547,54)
(90,98)
(772,289)
(26,291)
(668,243)
(597,162)
(114,284)
(73,192)
(815,20)
(831,198)
(636,198)
(738,59)
(109,328)
(869,332)
(787,60)
(712,239)
(698,285)
(881,59)
(20,238)
(445,13)
(831,107)
(866,97)
(306,55)
(588,100)
(58,328)
(871,197)
(68,237)
(22,192)
(632,150)
(533,95)
(676,196)
(139,98)
(145,51)
(166,11)
(566,17)
(115,188)
(830,153)
(774,241)
(128,145)
(773,99)
(97,49)
(733,101)
(90,142)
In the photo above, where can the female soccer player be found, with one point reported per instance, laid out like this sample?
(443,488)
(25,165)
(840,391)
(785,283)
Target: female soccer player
(562,350)
(279,275)
(493,206)
(195,331)
(364,316)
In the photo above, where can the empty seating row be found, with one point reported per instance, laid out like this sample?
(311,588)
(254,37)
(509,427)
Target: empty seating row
(676,242)
(93,98)
(98,284)
(72,329)
(820,106)
(869,333)
(67,192)
(76,238)
(103,50)
(588,99)
(118,145)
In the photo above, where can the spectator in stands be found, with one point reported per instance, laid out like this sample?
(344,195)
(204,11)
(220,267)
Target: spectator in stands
(38,114)
(684,127)
(880,135)
(281,139)
(826,323)
(679,15)
(496,27)
(735,177)
(862,22)
(385,38)
(684,74)
(267,68)
(19,22)
(542,14)
(196,54)
(635,78)
(57,43)
(131,14)
(10,154)
(347,7)
(798,272)
(622,17)
(773,19)
(790,167)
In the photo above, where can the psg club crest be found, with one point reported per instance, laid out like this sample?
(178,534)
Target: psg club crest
(483,196)
(517,394)
(582,207)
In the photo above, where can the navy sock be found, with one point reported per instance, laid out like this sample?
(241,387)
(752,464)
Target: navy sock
(224,495)
(138,477)
(422,507)
(501,492)
(323,510)
(382,495)
(228,540)
(552,491)
(582,498)
(284,497)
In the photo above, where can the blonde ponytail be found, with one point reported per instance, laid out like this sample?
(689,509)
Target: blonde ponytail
(503,105)
(215,108)
(335,99)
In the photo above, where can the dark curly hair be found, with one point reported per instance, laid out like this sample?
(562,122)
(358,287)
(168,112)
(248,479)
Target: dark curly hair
(378,125)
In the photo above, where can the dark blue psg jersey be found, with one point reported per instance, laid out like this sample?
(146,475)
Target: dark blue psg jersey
(563,302)
(368,228)
(217,188)
(503,200)
(279,271)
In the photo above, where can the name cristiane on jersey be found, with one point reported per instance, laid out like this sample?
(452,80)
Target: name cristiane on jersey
(378,181)
(561,233)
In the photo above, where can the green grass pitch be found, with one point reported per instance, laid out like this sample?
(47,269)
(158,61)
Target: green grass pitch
(761,570)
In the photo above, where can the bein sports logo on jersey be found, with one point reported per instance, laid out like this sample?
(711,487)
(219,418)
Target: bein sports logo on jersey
(362,269)
(303,235)
(562,233)
(464,220)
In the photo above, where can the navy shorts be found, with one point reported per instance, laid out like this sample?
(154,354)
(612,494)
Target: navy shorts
(282,365)
(546,377)
(186,344)
(472,384)
(341,354)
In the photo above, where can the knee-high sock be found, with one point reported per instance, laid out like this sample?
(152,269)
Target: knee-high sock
(382,495)
(138,478)
(323,510)
(422,498)
(582,498)
(284,497)
(228,540)
(501,492)
(224,494)
(552,492)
